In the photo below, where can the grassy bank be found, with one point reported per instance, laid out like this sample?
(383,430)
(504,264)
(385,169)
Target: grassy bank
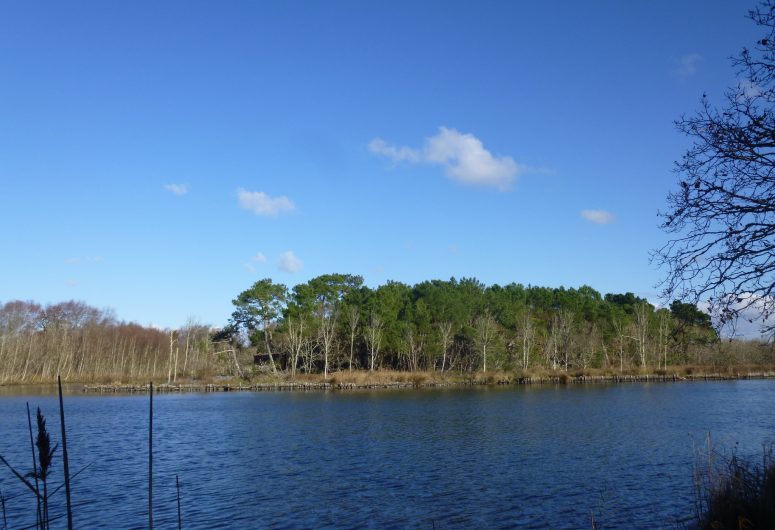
(344,380)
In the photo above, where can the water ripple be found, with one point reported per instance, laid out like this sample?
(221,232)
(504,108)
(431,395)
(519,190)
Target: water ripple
(479,458)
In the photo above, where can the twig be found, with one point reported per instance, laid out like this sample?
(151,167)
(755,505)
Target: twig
(84,468)
(19,476)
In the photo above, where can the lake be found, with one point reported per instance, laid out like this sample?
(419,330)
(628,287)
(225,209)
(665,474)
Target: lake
(488,457)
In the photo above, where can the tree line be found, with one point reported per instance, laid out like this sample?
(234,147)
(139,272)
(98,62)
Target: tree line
(83,343)
(335,322)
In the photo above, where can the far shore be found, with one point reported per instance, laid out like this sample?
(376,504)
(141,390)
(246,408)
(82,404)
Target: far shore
(481,379)
(357,379)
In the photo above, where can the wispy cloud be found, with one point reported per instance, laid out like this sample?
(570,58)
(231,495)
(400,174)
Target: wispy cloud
(378,146)
(83,260)
(72,283)
(260,203)
(687,65)
(289,262)
(251,265)
(598,217)
(177,189)
(463,157)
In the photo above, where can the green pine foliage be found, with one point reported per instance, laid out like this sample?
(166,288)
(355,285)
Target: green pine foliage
(456,324)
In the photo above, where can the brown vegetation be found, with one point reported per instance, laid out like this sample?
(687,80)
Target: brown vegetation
(86,344)
(731,492)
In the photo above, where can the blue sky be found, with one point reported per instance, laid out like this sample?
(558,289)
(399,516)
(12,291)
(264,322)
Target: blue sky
(159,157)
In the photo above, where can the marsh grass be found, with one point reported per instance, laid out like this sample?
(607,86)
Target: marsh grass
(43,452)
(65,461)
(731,492)
(39,514)
(150,455)
(345,379)
(377,377)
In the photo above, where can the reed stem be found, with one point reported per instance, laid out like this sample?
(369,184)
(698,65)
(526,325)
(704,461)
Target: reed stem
(150,458)
(64,456)
(180,519)
(38,515)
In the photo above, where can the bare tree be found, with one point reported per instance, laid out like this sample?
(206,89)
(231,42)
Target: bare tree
(642,312)
(484,325)
(327,329)
(526,330)
(296,341)
(617,321)
(373,337)
(664,334)
(722,217)
(353,318)
(415,343)
(445,334)
(562,334)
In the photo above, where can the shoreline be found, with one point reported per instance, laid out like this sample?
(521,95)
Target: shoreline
(303,386)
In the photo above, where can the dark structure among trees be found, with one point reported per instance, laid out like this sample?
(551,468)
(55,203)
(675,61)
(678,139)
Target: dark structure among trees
(722,217)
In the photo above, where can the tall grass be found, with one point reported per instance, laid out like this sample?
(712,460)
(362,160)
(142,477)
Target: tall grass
(45,460)
(65,462)
(43,451)
(39,514)
(150,456)
(733,493)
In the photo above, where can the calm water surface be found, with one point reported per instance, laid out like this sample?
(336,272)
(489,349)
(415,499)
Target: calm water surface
(534,457)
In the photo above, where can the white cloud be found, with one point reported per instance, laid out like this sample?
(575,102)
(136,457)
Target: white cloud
(754,314)
(72,283)
(688,64)
(466,160)
(396,154)
(463,157)
(257,258)
(289,262)
(260,203)
(177,189)
(599,217)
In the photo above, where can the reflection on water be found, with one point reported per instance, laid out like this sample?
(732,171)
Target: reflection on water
(39,390)
(531,457)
